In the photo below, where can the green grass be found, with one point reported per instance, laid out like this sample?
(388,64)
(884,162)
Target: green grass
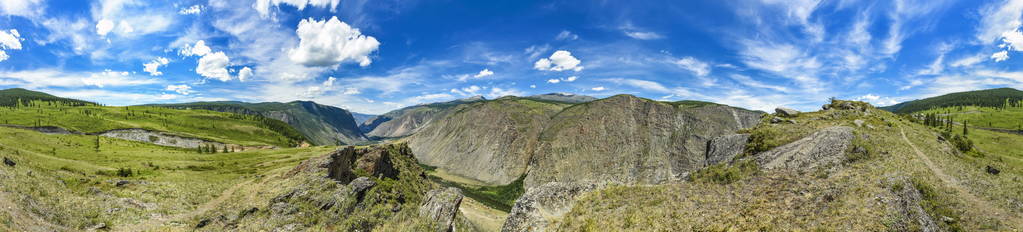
(1009,118)
(215,126)
(987,98)
(501,197)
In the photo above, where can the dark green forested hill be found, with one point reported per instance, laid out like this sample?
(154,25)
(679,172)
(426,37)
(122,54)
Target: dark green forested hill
(12,97)
(989,98)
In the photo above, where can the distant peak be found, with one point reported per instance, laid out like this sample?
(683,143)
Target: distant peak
(472,99)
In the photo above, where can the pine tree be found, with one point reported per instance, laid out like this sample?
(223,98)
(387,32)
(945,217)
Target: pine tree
(964,128)
(97,143)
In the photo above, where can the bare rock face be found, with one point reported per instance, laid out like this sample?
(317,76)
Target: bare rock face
(534,210)
(489,141)
(824,147)
(441,206)
(339,168)
(723,149)
(377,162)
(629,140)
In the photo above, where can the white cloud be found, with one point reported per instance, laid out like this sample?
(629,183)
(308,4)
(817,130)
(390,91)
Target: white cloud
(566,35)
(315,91)
(484,73)
(642,84)
(747,81)
(214,65)
(192,10)
(698,67)
(330,43)
(877,100)
(1000,56)
(999,18)
(26,8)
(1013,40)
(264,6)
(784,60)
(598,88)
(471,90)
(496,92)
(643,35)
(180,89)
(570,79)
(152,66)
(532,86)
(9,40)
(912,83)
(244,74)
(561,60)
(535,51)
(55,78)
(553,81)
(104,26)
(199,49)
(968,61)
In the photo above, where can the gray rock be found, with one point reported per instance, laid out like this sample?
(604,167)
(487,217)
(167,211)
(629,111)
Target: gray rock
(9,162)
(540,207)
(441,206)
(858,122)
(786,112)
(377,162)
(339,168)
(723,149)
(360,185)
(992,170)
(906,203)
(776,120)
(122,183)
(824,147)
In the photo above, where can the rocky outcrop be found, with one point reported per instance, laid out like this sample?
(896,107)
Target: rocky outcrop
(629,140)
(535,210)
(905,201)
(822,148)
(785,112)
(489,141)
(160,138)
(377,163)
(441,206)
(339,166)
(723,149)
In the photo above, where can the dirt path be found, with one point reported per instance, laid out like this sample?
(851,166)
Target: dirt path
(153,223)
(955,184)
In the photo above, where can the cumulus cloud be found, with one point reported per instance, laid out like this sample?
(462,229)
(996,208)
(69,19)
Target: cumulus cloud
(104,26)
(9,40)
(496,92)
(570,79)
(152,66)
(199,49)
(554,81)
(180,89)
(471,90)
(484,73)
(698,67)
(214,65)
(598,88)
(1013,40)
(330,43)
(566,35)
(192,10)
(315,91)
(1000,56)
(26,8)
(244,74)
(561,60)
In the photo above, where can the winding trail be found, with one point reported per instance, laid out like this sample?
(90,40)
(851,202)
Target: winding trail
(155,222)
(955,184)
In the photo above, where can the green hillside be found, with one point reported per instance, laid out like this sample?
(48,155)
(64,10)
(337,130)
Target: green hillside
(15,96)
(90,118)
(322,124)
(989,98)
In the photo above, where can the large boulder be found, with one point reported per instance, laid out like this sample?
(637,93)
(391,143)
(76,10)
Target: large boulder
(441,206)
(723,149)
(377,162)
(536,209)
(339,166)
(786,112)
(827,146)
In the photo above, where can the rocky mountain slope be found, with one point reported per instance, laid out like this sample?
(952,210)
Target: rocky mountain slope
(629,140)
(322,124)
(408,120)
(490,141)
(563,97)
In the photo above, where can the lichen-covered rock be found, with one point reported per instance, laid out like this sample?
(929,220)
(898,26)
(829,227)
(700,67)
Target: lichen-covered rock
(360,185)
(905,202)
(377,162)
(824,147)
(535,209)
(441,206)
(786,112)
(339,168)
(629,140)
(723,149)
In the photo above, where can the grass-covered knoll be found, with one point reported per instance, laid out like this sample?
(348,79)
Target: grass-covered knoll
(892,188)
(988,98)
(19,96)
(210,125)
(63,180)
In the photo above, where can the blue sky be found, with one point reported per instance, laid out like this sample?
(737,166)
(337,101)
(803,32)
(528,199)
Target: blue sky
(376,56)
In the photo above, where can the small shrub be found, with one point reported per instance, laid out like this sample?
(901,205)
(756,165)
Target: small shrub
(125,172)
